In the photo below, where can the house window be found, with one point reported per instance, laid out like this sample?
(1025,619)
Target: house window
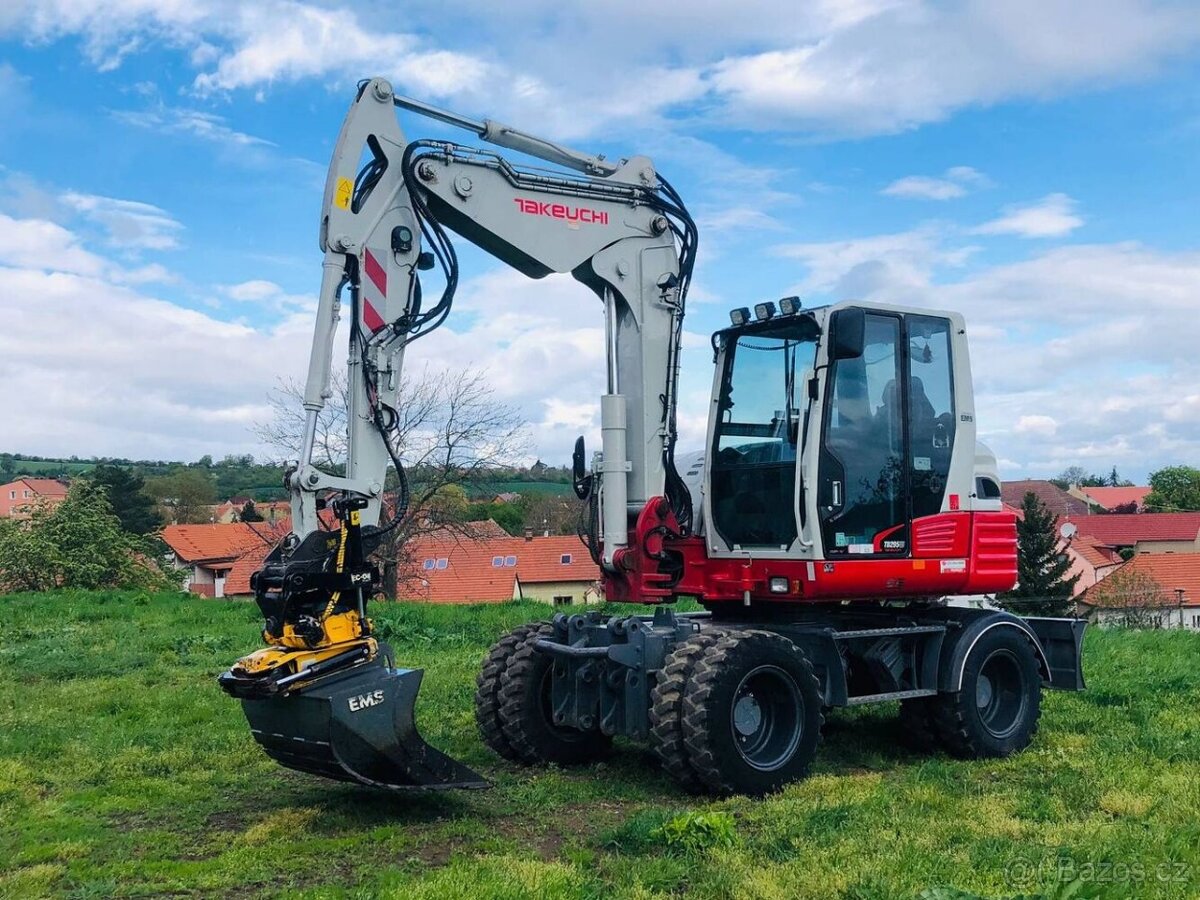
(510,561)
(428,565)
(564,600)
(497,562)
(12,495)
(443,563)
(565,559)
(27,495)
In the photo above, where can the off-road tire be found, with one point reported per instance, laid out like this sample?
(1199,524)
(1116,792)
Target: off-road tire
(959,719)
(666,707)
(916,723)
(487,689)
(709,706)
(525,715)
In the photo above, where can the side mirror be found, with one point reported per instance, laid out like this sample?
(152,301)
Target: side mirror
(848,333)
(581,478)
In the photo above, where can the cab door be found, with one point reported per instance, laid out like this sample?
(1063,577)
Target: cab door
(863,475)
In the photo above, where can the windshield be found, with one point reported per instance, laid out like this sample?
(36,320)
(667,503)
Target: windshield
(762,406)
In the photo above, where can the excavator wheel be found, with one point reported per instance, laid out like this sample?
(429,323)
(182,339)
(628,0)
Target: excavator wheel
(751,713)
(525,712)
(996,711)
(666,708)
(916,723)
(487,690)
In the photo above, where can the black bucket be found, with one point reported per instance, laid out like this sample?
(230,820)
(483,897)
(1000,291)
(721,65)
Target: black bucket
(356,725)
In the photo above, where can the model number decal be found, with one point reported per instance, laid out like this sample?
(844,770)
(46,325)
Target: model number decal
(362,701)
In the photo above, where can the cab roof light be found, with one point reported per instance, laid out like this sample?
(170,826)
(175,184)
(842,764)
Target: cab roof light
(739,316)
(789,306)
(764,311)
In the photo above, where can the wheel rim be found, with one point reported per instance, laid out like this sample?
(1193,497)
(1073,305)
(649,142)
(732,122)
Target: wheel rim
(767,718)
(1000,695)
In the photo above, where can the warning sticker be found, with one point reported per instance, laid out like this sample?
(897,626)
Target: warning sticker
(921,463)
(954,565)
(341,196)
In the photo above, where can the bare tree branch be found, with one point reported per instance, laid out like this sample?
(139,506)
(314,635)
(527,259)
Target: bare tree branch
(452,433)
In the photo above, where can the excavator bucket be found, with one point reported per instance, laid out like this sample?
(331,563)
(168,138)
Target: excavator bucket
(356,725)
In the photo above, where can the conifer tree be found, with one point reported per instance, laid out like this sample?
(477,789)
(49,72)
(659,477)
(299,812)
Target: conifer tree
(1043,586)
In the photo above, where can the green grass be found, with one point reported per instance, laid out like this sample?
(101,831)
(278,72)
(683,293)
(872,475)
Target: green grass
(124,771)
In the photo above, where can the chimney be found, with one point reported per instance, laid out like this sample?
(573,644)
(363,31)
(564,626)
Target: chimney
(529,534)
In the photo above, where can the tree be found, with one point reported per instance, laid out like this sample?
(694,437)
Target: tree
(451,432)
(1174,489)
(126,493)
(1043,587)
(1130,597)
(8,467)
(1115,480)
(185,496)
(1078,475)
(77,544)
(249,513)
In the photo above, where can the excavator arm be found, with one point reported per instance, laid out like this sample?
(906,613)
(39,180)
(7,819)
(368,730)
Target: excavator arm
(618,228)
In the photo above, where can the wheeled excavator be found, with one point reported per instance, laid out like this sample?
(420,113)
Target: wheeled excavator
(840,498)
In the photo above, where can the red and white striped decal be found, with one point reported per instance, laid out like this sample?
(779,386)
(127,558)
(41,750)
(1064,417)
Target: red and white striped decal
(374,293)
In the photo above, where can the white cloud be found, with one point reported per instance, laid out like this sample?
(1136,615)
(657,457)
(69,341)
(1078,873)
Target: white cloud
(257,289)
(130,224)
(145,378)
(952,184)
(1036,425)
(203,125)
(862,267)
(1052,216)
(38,245)
(918,62)
(829,67)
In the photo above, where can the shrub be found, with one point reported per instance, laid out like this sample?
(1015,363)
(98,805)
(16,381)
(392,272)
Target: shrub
(77,544)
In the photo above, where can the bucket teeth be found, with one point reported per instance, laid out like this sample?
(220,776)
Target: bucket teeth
(355,724)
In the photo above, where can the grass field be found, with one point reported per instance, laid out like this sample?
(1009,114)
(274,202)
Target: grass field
(124,771)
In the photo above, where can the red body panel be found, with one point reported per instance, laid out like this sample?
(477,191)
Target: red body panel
(953,553)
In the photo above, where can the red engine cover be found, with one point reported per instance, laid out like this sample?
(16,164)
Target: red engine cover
(952,553)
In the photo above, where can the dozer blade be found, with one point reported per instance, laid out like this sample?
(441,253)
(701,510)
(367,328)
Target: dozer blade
(355,725)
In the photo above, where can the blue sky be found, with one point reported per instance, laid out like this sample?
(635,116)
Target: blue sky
(1026,163)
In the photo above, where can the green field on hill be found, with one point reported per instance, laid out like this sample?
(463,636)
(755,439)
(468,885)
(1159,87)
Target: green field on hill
(124,771)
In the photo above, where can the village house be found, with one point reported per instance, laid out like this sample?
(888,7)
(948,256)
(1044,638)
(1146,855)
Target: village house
(554,569)
(1164,592)
(209,553)
(18,496)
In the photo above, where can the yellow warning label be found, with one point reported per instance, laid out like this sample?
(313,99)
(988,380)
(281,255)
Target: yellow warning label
(918,563)
(341,197)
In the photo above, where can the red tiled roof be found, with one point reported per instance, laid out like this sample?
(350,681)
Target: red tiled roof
(45,487)
(470,573)
(208,543)
(1172,571)
(1056,499)
(39,487)
(237,582)
(1126,529)
(1108,497)
(1096,555)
